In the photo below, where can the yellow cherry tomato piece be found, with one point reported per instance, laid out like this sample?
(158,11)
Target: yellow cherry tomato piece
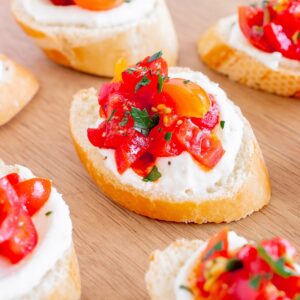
(98,4)
(120,66)
(190,99)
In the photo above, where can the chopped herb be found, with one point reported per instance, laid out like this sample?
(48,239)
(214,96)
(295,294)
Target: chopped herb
(130,70)
(48,213)
(186,81)
(111,115)
(142,121)
(124,120)
(143,82)
(222,124)
(253,5)
(183,287)
(296,37)
(153,175)
(160,83)
(256,280)
(168,136)
(155,56)
(234,264)
(258,29)
(159,129)
(217,247)
(265,3)
(278,266)
(297,297)
(127,1)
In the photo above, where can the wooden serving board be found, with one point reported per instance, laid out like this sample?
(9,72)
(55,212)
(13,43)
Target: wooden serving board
(113,244)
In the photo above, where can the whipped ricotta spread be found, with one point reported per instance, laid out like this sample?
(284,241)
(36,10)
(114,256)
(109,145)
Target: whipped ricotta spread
(229,27)
(54,238)
(44,12)
(234,242)
(182,177)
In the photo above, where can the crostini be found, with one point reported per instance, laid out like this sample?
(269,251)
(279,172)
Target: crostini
(17,88)
(170,145)
(90,35)
(258,47)
(37,257)
(226,267)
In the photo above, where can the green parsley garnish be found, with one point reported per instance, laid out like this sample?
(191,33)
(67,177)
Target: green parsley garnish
(124,121)
(278,266)
(186,81)
(142,121)
(48,213)
(217,247)
(111,115)
(234,264)
(153,175)
(160,83)
(143,82)
(130,70)
(127,1)
(183,287)
(222,124)
(168,136)
(155,56)
(256,280)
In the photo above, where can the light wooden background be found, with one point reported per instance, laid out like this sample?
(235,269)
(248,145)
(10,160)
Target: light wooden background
(113,244)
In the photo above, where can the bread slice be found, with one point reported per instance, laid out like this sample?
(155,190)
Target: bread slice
(165,266)
(62,281)
(246,190)
(96,50)
(239,66)
(17,87)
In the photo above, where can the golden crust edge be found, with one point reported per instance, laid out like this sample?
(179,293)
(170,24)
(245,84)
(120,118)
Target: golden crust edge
(221,57)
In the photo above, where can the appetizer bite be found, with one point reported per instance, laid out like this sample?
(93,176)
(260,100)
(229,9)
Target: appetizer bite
(37,257)
(90,35)
(226,267)
(17,88)
(170,145)
(258,47)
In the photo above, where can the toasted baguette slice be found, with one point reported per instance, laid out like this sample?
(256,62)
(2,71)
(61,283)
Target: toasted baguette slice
(96,50)
(246,190)
(165,266)
(17,87)
(239,66)
(62,281)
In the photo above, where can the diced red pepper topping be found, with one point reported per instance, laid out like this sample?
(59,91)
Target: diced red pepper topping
(257,272)
(273,26)
(148,115)
(19,200)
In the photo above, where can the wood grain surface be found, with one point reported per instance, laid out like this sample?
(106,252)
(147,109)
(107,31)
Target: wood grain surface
(113,244)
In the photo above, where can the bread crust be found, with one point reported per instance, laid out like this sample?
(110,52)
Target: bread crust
(242,68)
(97,53)
(252,194)
(65,279)
(16,90)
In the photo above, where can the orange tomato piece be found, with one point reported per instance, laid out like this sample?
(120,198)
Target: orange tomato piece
(120,66)
(190,99)
(98,4)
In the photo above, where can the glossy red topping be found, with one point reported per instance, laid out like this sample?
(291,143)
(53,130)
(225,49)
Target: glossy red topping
(90,4)
(148,115)
(254,272)
(274,26)
(19,200)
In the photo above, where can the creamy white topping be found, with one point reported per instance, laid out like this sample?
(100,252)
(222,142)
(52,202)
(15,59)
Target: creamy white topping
(230,28)
(44,12)
(234,242)
(184,178)
(55,237)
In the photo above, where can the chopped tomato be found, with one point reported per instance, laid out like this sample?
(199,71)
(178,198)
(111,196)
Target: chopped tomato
(97,135)
(190,99)
(130,151)
(62,2)
(205,148)
(33,193)
(275,27)
(143,165)
(9,209)
(13,178)
(22,241)
(98,4)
